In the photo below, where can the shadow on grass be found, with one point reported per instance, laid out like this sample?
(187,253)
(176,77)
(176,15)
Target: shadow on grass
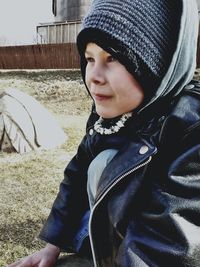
(21,233)
(73,261)
(24,234)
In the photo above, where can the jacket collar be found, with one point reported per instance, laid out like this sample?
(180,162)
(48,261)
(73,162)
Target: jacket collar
(130,157)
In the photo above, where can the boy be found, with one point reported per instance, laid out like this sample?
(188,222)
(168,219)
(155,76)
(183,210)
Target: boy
(135,180)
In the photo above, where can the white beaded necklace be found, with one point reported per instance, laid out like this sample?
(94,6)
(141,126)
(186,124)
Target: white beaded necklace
(114,128)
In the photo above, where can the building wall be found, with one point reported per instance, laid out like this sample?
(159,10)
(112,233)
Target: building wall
(67,22)
(70,10)
(58,33)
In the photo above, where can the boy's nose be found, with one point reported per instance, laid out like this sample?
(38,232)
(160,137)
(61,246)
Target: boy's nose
(97,75)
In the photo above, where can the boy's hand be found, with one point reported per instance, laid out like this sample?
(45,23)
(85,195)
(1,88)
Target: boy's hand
(45,257)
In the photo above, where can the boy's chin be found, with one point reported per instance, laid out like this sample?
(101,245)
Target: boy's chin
(105,115)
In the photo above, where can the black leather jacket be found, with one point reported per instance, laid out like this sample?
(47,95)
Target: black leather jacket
(147,210)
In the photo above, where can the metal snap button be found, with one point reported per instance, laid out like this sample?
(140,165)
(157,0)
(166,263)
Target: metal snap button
(189,86)
(91,132)
(143,150)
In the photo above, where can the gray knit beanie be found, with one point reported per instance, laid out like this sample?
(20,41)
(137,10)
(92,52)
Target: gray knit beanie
(141,34)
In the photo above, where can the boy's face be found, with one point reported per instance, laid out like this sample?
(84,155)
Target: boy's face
(113,88)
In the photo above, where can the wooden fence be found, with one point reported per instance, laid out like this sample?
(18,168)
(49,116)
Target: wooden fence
(46,56)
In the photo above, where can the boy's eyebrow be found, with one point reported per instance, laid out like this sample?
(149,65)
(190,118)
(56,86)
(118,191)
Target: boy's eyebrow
(88,52)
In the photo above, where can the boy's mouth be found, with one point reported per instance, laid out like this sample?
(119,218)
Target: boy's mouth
(101,97)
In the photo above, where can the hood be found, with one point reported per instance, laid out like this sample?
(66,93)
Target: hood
(181,66)
(183,63)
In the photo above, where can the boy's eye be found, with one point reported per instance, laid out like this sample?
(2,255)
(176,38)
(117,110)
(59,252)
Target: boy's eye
(89,59)
(111,59)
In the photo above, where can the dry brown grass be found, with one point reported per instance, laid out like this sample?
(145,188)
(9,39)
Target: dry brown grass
(29,182)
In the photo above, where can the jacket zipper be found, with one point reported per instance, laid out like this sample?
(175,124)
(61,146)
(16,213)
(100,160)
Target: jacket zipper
(101,198)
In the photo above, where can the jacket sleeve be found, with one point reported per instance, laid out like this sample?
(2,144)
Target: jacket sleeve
(166,231)
(70,204)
